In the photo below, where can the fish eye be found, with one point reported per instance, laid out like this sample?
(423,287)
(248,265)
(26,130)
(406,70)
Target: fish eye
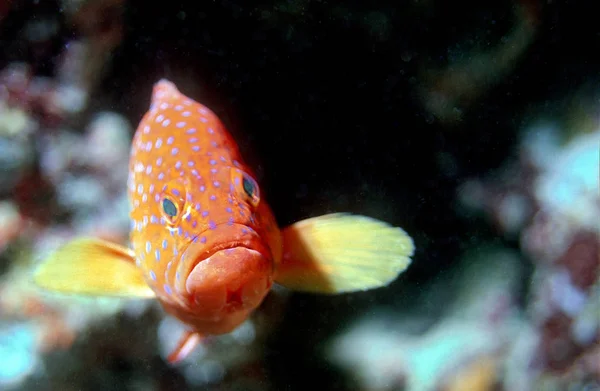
(172,203)
(246,187)
(169,208)
(250,188)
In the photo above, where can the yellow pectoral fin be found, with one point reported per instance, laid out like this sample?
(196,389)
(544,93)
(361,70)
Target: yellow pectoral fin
(338,253)
(92,267)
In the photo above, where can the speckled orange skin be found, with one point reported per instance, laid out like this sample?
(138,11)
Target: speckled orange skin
(211,263)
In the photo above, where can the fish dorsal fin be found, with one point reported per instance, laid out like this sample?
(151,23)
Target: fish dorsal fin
(338,253)
(90,266)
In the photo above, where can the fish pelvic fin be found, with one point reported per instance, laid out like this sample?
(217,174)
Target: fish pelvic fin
(187,343)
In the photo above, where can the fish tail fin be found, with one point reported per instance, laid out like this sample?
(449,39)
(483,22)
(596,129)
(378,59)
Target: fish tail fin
(338,253)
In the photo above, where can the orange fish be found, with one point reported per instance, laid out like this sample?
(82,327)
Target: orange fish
(203,240)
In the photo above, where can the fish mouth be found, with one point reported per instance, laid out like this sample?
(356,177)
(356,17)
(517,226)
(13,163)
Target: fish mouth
(236,236)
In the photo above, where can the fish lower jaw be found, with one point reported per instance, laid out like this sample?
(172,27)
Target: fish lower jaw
(222,324)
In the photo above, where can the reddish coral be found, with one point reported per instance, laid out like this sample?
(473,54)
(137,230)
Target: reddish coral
(582,259)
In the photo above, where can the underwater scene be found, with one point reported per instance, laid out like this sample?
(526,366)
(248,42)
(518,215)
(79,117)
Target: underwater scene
(299,195)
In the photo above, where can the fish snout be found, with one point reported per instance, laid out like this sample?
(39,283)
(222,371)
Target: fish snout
(238,278)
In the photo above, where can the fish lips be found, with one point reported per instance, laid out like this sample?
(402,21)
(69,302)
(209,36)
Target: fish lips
(231,264)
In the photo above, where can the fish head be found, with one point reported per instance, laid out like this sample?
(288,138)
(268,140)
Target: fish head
(226,259)
(201,233)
